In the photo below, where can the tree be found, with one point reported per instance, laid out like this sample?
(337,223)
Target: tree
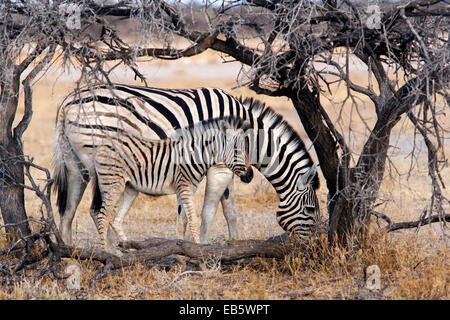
(23,43)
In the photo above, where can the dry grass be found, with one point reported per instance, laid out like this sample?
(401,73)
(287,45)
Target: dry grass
(413,266)
(410,269)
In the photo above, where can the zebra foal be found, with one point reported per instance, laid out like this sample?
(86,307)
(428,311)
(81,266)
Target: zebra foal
(122,164)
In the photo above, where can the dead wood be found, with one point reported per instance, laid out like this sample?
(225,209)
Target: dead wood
(156,248)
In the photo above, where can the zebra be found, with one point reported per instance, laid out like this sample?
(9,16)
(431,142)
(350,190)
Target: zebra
(275,148)
(277,151)
(122,164)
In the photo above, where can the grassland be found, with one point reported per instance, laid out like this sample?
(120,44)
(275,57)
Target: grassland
(414,265)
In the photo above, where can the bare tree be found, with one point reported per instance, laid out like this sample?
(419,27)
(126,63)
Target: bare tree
(26,47)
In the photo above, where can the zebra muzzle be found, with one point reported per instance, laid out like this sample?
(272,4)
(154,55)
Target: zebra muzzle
(240,170)
(247,176)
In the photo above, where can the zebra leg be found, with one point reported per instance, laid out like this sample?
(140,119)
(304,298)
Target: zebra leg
(181,220)
(186,195)
(218,179)
(126,201)
(75,190)
(228,201)
(111,194)
(96,205)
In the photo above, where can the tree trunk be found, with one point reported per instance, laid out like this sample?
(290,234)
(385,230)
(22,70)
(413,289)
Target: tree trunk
(12,200)
(352,192)
(339,207)
(307,106)
(344,184)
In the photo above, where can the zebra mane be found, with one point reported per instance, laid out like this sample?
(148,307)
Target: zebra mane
(197,128)
(214,124)
(234,122)
(265,113)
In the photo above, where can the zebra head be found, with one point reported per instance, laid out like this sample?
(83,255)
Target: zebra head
(236,149)
(299,210)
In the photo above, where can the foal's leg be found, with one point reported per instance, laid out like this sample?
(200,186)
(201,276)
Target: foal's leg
(186,195)
(181,220)
(228,201)
(110,196)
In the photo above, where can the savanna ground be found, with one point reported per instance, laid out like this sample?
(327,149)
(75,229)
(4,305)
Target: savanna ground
(414,264)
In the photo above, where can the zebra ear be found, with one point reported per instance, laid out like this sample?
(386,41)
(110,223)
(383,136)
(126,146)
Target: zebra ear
(308,176)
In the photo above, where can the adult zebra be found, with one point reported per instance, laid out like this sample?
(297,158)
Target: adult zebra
(275,148)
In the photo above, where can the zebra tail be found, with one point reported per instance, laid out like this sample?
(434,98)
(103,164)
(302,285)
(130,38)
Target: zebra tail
(60,173)
(60,178)
(60,186)
(97,195)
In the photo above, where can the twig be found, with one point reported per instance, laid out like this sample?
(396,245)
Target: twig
(382,216)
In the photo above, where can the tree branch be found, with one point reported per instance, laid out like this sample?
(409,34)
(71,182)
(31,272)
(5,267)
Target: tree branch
(418,223)
(28,110)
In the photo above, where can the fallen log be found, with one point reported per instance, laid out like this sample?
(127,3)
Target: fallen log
(156,248)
